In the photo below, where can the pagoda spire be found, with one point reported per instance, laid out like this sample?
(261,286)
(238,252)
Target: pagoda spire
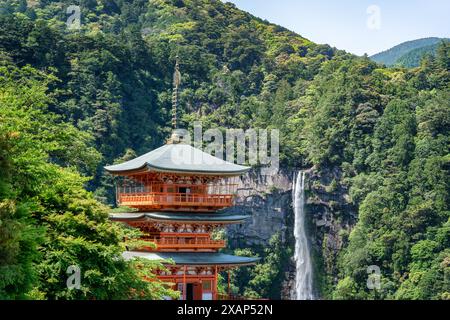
(176,137)
(176,94)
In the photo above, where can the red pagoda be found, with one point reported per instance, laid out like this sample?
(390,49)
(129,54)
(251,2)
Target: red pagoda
(179,193)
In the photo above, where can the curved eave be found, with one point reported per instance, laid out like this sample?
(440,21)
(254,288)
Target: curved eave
(188,258)
(202,172)
(153,168)
(126,172)
(180,217)
(127,216)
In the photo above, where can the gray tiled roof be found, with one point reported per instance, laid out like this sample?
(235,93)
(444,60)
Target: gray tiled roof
(127,216)
(181,216)
(189,258)
(179,158)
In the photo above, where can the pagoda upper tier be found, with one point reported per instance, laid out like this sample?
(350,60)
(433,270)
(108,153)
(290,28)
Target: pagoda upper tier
(176,177)
(180,159)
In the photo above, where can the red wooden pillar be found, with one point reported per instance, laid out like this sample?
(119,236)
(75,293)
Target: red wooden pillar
(184,283)
(215,284)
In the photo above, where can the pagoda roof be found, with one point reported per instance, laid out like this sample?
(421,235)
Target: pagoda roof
(178,158)
(191,258)
(180,216)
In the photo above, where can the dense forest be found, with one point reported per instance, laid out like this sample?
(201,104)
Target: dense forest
(74,100)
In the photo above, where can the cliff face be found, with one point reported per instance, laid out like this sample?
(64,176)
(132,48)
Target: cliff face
(331,217)
(268,199)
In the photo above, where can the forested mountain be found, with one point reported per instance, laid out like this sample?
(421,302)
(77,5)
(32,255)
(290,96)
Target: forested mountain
(413,58)
(409,53)
(75,100)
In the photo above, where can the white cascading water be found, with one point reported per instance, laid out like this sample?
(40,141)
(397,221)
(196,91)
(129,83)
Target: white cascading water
(303,276)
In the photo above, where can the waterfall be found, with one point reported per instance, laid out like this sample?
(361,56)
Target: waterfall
(303,275)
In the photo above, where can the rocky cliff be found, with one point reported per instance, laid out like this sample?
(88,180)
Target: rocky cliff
(268,200)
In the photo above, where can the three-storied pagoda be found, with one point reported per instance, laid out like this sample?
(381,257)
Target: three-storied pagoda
(179,192)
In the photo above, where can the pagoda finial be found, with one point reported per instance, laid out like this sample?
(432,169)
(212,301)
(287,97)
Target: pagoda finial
(176,137)
(176,94)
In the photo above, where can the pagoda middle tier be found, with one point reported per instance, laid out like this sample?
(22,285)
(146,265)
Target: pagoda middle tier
(181,232)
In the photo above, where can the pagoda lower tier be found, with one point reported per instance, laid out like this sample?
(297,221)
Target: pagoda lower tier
(194,275)
(184,244)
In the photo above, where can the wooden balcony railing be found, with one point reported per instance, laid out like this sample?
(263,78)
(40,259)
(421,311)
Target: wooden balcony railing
(157,200)
(154,187)
(235,297)
(182,243)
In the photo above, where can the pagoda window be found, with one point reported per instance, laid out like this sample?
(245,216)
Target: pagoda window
(206,296)
(206,285)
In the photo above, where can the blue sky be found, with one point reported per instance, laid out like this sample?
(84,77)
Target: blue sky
(347,24)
